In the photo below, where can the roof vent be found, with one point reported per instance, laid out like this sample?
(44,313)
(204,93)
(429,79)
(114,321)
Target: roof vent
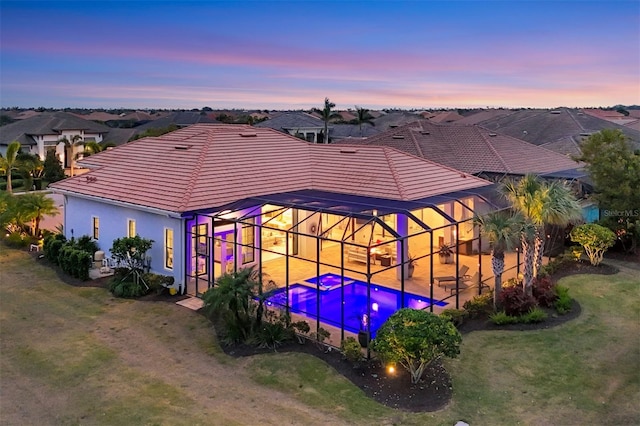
(398,136)
(425,132)
(393,126)
(555,111)
(182,147)
(249,134)
(348,151)
(585,134)
(493,135)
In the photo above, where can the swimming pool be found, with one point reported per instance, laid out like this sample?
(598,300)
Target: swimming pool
(303,300)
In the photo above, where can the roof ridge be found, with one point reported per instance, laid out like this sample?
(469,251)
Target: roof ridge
(394,172)
(493,149)
(575,120)
(196,171)
(415,141)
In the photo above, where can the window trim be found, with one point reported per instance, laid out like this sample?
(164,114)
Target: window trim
(129,223)
(168,256)
(95,227)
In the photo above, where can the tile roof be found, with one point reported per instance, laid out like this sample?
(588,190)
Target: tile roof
(291,120)
(207,166)
(471,149)
(544,126)
(47,124)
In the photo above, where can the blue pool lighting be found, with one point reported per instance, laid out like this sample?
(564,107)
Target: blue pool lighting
(303,300)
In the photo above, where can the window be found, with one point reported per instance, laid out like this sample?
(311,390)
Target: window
(168,248)
(131,228)
(248,241)
(96,228)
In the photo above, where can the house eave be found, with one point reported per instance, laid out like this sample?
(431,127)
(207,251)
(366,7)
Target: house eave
(117,203)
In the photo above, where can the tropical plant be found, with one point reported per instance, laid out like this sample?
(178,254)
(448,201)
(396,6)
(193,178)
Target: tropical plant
(539,203)
(363,116)
(131,252)
(230,299)
(70,150)
(501,229)
(327,115)
(35,207)
(595,239)
(416,338)
(351,350)
(93,147)
(10,162)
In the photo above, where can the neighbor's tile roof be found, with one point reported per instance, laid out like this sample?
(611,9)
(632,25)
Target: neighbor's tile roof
(292,120)
(471,149)
(207,166)
(541,127)
(47,124)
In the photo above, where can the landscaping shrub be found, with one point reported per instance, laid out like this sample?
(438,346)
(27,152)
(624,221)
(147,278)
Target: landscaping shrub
(479,305)
(351,350)
(414,338)
(127,288)
(543,291)
(156,282)
(74,262)
(564,301)
(273,331)
(456,316)
(515,301)
(86,244)
(501,318)
(52,247)
(595,239)
(16,240)
(535,315)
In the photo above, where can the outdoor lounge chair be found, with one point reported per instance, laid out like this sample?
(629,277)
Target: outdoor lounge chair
(463,283)
(443,281)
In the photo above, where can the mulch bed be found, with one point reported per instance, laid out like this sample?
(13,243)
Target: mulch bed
(395,390)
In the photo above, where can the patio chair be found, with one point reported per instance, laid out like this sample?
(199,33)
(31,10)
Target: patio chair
(445,280)
(463,283)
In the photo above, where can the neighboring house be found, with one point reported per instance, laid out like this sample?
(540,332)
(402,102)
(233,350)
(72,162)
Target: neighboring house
(472,149)
(299,124)
(44,131)
(561,130)
(216,198)
(352,131)
(178,118)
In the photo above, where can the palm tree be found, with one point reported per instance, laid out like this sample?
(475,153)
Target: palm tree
(363,116)
(540,203)
(327,115)
(93,147)
(70,148)
(37,205)
(502,230)
(10,162)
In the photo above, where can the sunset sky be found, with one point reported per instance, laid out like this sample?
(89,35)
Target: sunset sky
(291,55)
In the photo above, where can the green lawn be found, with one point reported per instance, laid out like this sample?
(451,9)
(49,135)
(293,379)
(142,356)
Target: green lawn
(78,356)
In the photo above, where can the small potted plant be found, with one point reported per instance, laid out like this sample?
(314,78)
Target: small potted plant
(445,252)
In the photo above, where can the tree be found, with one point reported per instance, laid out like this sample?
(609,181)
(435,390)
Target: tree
(415,338)
(327,115)
(93,147)
(52,169)
(10,162)
(70,150)
(132,253)
(36,206)
(595,239)
(615,171)
(502,230)
(363,116)
(31,168)
(539,203)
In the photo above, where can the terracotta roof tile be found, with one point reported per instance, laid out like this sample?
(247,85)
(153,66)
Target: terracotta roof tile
(205,166)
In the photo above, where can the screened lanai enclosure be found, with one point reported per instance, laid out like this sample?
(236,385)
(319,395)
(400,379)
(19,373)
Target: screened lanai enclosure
(343,262)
